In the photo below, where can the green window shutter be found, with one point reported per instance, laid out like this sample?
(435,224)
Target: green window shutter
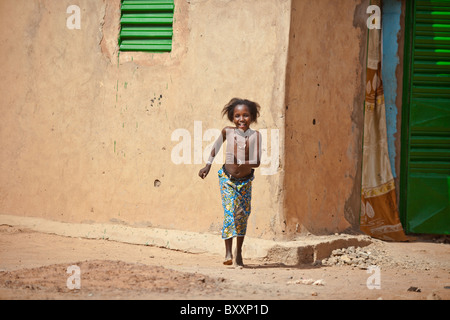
(427,138)
(146,25)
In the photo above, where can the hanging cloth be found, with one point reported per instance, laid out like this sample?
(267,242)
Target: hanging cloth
(379,213)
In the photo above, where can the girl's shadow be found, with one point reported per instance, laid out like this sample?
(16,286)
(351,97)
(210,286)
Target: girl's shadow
(281,265)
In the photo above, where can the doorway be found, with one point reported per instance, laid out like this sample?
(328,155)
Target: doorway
(425,158)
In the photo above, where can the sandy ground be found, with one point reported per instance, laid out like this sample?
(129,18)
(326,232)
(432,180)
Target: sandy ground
(34,266)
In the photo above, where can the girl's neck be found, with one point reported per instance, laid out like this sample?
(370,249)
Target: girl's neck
(242,132)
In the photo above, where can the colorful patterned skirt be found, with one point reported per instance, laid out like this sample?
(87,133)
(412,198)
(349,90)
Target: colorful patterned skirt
(236,201)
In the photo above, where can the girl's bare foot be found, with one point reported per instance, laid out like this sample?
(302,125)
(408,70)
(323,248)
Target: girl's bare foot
(228,260)
(228,255)
(239,262)
(238,252)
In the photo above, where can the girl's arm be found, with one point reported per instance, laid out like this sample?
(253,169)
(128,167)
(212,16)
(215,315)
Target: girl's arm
(215,149)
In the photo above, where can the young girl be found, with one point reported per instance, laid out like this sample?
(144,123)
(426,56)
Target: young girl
(243,153)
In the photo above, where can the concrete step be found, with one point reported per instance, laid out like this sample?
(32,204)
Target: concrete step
(303,250)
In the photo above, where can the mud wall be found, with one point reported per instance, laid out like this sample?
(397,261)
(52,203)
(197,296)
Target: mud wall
(87,133)
(324,115)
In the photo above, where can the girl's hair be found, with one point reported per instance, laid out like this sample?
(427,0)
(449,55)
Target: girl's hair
(252,106)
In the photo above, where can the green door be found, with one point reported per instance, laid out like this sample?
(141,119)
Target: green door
(425,169)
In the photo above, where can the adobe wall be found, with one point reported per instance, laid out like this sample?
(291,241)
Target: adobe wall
(86,133)
(324,115)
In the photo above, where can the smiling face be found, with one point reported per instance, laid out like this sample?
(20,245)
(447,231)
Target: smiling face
(242,117)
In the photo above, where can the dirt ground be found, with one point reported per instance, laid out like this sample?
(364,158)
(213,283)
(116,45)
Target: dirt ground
(33,266)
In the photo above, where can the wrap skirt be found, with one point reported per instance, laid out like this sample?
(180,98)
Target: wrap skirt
(236,196)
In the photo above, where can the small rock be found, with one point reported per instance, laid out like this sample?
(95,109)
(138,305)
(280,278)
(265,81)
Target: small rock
(306,281)
(346,258)
(332,260)
(433,296)
(414,289)
(318,283)
(358,261)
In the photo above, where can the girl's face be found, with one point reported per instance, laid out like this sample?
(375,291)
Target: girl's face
(242,117)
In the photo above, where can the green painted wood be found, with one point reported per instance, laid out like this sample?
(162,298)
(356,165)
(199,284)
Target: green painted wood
(146,25)
(426,135)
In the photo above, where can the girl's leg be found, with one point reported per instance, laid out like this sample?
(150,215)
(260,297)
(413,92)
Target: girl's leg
(228,254)
(239,242)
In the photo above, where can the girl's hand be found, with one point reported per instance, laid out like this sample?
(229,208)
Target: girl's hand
(204,172)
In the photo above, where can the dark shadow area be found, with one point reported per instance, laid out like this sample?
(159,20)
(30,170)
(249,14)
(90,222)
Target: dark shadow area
(280,265)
